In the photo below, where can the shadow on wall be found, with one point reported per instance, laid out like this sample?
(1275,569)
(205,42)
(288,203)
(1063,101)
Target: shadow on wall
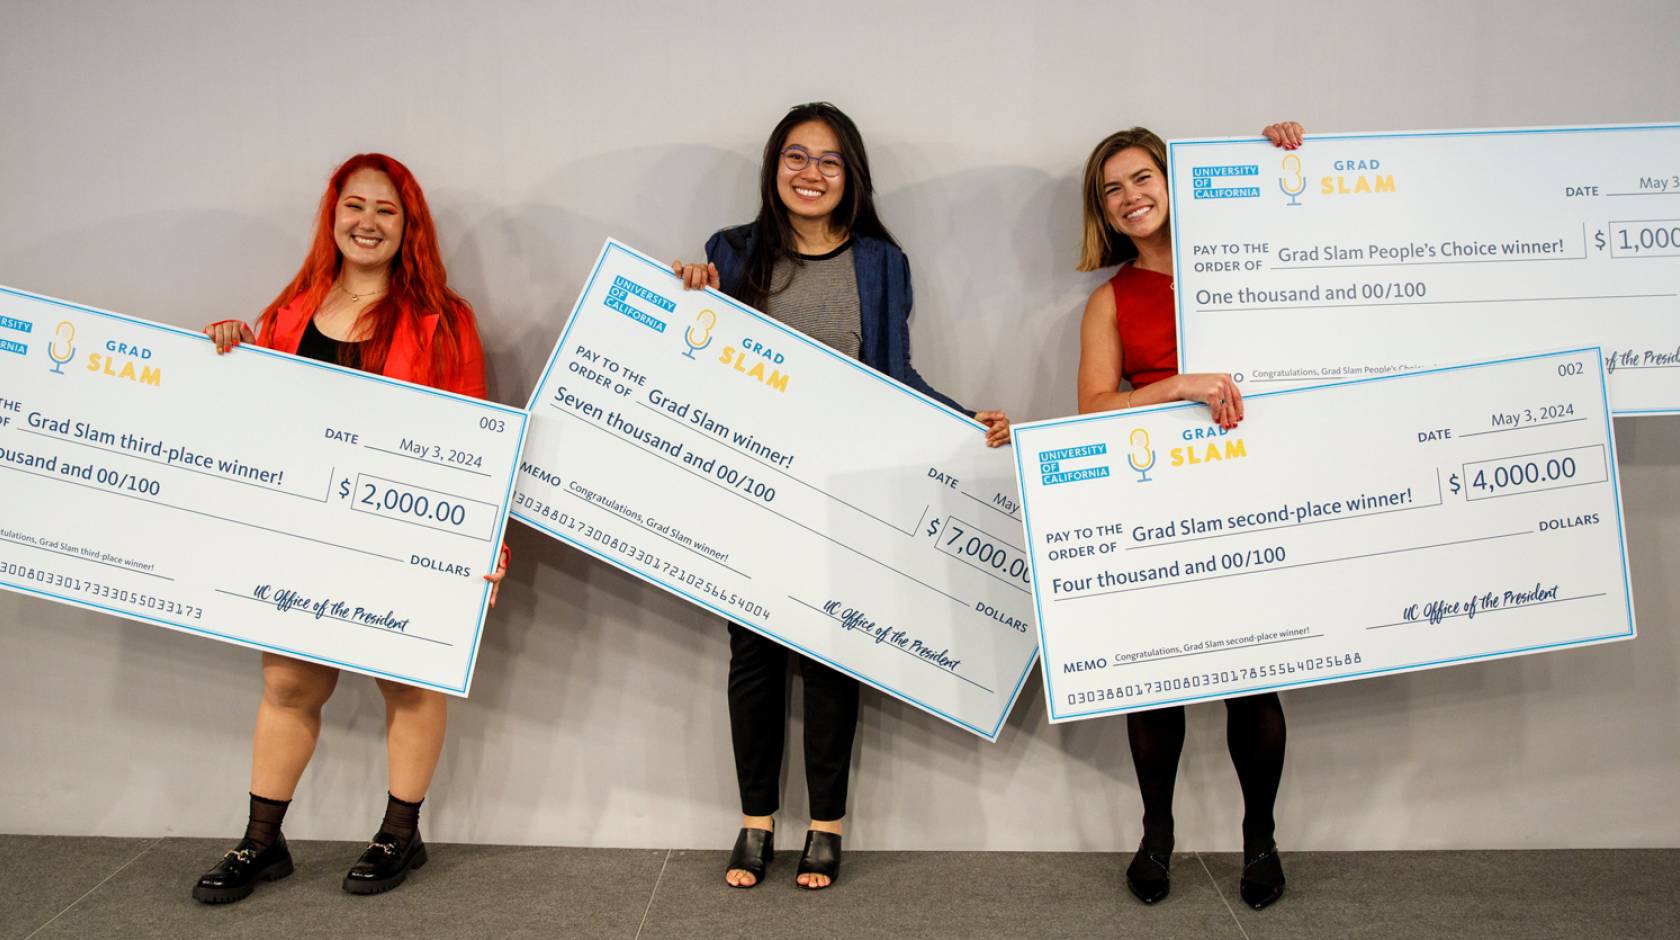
(580,659)
(998,303)
(134,266)
(522,264)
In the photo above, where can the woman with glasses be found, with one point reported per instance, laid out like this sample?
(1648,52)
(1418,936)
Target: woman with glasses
(819,260)
(1130,333)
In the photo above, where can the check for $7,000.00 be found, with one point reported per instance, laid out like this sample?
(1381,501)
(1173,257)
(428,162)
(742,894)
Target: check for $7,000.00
(715,453)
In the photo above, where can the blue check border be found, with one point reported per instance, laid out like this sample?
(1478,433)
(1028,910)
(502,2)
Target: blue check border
(1023,432)
(496,539)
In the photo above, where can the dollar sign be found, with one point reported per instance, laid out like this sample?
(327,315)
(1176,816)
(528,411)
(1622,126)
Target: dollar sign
(344,488)
(1453,481)
(933,526)
(1599,239)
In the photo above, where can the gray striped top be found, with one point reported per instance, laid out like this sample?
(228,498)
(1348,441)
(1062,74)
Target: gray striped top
(820,299)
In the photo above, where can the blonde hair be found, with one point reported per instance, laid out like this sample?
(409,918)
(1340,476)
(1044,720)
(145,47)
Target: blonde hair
(1103,246)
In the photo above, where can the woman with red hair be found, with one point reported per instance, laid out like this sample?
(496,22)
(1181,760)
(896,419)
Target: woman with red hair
(372,294)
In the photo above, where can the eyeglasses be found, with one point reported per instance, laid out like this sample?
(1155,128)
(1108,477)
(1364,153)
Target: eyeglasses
(796,158)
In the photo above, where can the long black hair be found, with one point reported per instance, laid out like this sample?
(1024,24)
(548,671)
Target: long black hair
(772,233)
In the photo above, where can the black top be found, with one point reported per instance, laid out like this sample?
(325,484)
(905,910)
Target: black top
(320,347)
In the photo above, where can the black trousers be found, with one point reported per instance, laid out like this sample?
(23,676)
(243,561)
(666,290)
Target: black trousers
(758,724)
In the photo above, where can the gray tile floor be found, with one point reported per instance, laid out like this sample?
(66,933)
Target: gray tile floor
(100,887)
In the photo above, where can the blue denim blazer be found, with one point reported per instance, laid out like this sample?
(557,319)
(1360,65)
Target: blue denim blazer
(884,297)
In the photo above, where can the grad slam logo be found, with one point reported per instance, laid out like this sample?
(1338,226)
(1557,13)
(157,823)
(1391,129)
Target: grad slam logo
(116,359)
(62,349)
(1350,178)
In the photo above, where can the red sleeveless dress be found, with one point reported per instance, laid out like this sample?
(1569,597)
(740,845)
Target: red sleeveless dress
(1143,313)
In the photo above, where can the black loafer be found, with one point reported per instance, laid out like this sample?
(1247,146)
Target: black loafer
(1262,879)
(821,857)
(1150,875)
(385,864)
(237,874)
(754,850)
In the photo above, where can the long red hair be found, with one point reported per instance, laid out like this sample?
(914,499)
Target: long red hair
(419,285)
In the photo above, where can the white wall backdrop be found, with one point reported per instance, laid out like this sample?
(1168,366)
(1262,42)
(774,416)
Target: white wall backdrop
(163,160)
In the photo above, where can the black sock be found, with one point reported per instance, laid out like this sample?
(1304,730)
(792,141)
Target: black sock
(264,825)
(402,818)
(1157,740)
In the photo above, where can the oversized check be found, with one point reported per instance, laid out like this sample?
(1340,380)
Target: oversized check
(1366,254)
(711,451)
(1370,527)
(258,498)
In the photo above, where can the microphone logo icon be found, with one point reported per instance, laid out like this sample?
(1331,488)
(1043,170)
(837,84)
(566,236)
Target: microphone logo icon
(1293,182)
(703,323)
(1141,457)
(62,349)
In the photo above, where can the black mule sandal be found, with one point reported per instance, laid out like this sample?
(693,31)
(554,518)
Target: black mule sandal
(754,848)
(822,857)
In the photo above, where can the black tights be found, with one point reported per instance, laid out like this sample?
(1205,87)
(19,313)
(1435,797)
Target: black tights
(1255,734)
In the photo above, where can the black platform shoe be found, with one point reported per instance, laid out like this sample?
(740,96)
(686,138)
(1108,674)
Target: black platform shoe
(385,864)
(237,874)
(1149,876)
(754,850)
(1262,879)
(821,857)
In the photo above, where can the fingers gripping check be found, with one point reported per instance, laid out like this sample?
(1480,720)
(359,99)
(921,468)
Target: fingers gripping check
(226,334)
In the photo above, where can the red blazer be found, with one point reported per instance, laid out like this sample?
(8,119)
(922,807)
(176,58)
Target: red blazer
(410,348)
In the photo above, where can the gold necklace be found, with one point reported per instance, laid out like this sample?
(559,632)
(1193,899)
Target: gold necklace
(357,298)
